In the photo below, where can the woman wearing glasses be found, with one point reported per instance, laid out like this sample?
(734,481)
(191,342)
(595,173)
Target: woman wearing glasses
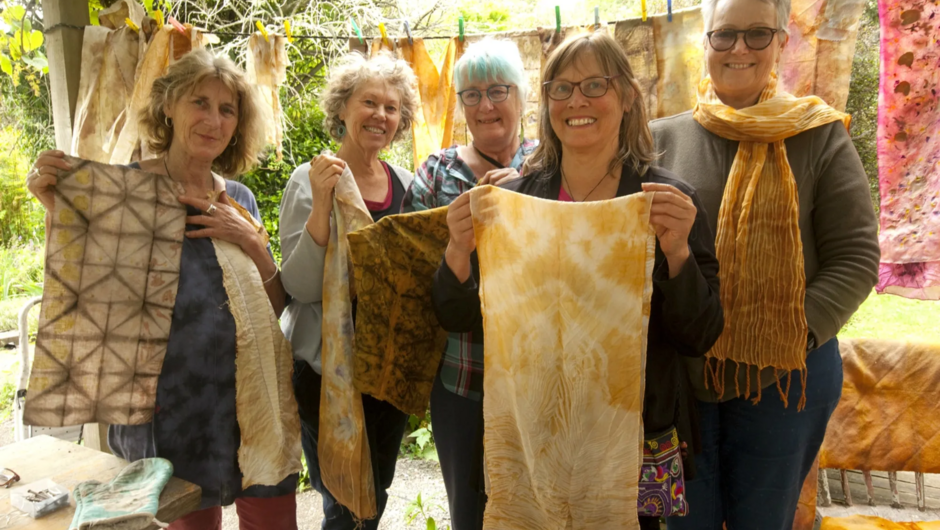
(789,202)
(492,84)
(596,145)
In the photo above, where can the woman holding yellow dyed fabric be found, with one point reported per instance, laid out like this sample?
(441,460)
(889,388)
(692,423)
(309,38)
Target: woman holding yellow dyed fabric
(596,145)
(789,202)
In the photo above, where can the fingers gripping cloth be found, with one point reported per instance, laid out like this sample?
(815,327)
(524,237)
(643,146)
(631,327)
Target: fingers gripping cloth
(128,502)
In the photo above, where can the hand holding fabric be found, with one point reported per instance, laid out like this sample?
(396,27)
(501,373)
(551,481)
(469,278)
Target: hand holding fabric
(672,215)
(225,223)
(462,243)
(41,180)
(499,176)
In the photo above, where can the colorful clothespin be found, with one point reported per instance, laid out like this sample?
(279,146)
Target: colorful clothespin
(411,41)
(384,34)
(264,32)
(597,17)
(290,37)
(669,10)
(460,24)
(358,31)
(130,24)
(643,10)
(179,27)
(157,16)
(557,19)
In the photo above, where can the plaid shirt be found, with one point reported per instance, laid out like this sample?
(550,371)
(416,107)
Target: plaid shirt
(438,182)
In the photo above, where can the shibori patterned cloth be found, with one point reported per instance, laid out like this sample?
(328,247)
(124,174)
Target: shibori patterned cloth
(662,484)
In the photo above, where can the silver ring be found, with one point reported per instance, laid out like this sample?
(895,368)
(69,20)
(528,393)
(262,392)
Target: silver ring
(33,173)
(211,209)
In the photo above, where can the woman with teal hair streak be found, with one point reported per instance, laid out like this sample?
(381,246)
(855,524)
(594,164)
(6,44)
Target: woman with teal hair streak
(492,85)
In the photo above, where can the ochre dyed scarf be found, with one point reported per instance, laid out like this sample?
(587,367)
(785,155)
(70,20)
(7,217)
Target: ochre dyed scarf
(763,282)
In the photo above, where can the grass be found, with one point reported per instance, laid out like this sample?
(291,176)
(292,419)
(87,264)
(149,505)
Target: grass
(885,316)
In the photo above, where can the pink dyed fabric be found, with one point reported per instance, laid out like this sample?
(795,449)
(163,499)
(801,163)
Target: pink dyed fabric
(909,149)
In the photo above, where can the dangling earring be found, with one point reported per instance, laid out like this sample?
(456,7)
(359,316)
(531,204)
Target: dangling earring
(234,141)
(341,130)
(166,121)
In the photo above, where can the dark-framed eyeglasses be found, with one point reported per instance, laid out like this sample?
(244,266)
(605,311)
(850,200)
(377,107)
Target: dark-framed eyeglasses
(722,40)
(472,97)
(592,87)
(8,477)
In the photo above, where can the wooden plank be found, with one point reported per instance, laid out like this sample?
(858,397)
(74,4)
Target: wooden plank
(64,51)
(96,437)
(869,488)
(921,494)
(893,485)
(826,496)
(68,464)
(846,491)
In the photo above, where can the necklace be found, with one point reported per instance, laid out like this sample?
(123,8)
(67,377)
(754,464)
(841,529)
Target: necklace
(489,159)
(589,193)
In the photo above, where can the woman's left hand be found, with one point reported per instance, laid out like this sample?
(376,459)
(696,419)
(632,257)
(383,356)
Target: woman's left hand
(496,177)
(672,215)
(224,223)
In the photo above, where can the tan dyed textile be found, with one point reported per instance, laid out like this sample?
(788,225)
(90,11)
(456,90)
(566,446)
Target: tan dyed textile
(565,290)
(343,449)
(680,60)
(763,281)
(264,398)
(266,64)
(433,124)
(636,38)
(868,522)
(886,418)
(112,269)
(398,338)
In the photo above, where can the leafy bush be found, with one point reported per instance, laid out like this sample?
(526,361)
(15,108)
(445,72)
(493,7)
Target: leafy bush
(21,216)
(863,95)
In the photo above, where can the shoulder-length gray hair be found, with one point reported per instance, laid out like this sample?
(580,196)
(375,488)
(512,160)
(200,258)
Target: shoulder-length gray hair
(181,78)
(352,71)
(636,141)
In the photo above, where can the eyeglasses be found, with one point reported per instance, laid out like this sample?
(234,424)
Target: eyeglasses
(8,477)
(756,39)
(592,87)
(472,97)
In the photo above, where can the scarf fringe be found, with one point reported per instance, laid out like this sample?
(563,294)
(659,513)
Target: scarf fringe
(714,375)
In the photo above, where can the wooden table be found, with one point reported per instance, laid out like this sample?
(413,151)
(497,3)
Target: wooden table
(67,464)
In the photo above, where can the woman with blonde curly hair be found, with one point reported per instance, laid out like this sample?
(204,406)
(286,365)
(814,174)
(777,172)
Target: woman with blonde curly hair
(368,104)
(204,118)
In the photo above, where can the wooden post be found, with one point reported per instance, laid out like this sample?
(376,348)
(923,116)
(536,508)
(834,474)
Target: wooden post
(893,484)
(64,50)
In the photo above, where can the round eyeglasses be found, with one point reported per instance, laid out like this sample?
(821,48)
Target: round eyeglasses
(722,40)
(472,97)
(592,87)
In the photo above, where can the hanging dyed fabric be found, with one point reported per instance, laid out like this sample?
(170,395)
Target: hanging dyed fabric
(398,339)
(111,273)
(636,39)
(565,290)
(680,60)
(758,235)
(798,61)
(343,448)
(433,122)
(266,66)
(870,522)
(837,34)
(909,150)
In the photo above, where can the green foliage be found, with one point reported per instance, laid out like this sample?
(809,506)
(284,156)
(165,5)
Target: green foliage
(418,508)
(21,271)
(863,95)
(21,216)
(421,436)
(304,483)
(21,55)
(889,317)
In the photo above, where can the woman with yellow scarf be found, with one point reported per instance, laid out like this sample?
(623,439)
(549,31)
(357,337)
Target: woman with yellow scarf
(796,239)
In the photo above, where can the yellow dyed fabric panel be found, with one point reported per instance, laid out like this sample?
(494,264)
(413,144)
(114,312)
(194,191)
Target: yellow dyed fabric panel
(343,448)
(565,290)
(266,64)
(869,522)
(636,39)
(433,124)
(111,275)
(680,60)
(399,341)
(886,418)
(264,397)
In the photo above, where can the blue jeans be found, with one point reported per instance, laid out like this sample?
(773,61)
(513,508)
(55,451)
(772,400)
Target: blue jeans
(385,426)
(755,457)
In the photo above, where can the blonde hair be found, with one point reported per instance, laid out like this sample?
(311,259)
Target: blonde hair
(782,8)
(352,71)
(182,78)
(636,140)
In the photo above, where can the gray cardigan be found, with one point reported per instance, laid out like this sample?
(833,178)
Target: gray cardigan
(302,266)
(838,227)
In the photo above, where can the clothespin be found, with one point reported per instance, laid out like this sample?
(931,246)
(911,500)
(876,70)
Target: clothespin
(264,32)
(358,31)
(557,19)
(179,27)
(597,17)
(290,37)
(157,16)
(643,10)
(408,32)
(669,10)
(384,34)
(130,24)
(460,24)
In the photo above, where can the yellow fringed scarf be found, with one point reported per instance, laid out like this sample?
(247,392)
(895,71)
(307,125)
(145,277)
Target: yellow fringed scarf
(763,282)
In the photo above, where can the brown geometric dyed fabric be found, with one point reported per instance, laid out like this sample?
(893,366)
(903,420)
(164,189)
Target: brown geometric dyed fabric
(565,290)
(398,339)
(112,269)
(887,419)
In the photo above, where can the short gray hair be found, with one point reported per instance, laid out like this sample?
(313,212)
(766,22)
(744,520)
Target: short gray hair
(782,7)
(352,71)
(492,60)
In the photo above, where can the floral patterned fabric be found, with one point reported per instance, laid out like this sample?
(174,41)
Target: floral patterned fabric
(662,484)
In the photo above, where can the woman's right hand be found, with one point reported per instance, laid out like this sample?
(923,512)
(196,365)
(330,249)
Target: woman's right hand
(462,242)
(42,178)
(325,171)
